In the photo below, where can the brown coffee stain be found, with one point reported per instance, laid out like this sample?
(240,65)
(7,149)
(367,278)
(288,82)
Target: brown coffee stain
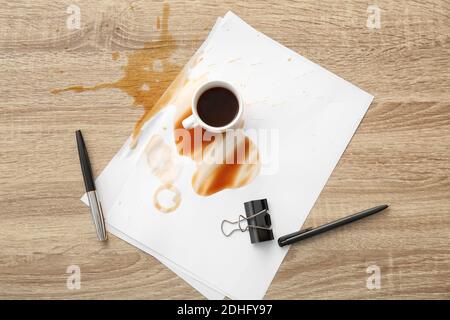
(115,55)
(176,198)
(214,177)
(140,74)
(142,82)
(162,162)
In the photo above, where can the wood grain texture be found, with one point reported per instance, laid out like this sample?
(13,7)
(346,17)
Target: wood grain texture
(400,153)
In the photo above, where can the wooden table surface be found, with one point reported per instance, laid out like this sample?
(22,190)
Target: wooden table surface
(399,155)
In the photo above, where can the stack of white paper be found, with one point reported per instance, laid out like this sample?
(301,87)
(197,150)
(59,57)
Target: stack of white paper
(308,115)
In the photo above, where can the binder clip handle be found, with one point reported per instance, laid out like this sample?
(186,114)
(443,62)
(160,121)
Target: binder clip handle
(240,227)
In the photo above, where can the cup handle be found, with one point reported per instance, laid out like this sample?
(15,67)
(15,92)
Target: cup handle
(189,122)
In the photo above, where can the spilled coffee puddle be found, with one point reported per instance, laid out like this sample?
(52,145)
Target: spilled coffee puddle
(143,74)
(145,69)
(231,168)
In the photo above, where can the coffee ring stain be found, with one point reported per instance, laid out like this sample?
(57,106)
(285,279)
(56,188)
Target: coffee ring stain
(176,198)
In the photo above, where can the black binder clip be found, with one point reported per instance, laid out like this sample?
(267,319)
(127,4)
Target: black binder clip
(258,221)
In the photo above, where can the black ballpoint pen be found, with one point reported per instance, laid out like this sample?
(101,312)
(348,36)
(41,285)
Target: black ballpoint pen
(94,204)
(309,232)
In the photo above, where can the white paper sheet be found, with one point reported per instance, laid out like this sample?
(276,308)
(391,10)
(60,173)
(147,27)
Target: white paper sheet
(315,114)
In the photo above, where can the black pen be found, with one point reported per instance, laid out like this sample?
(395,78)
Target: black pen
(309,232)
(94,203)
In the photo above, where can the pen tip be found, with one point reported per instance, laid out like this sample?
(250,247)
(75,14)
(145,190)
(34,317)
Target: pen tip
(78,135)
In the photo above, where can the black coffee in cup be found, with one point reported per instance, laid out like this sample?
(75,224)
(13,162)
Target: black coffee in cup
(217,107)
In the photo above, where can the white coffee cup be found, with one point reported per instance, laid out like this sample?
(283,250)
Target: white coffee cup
(194,120)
